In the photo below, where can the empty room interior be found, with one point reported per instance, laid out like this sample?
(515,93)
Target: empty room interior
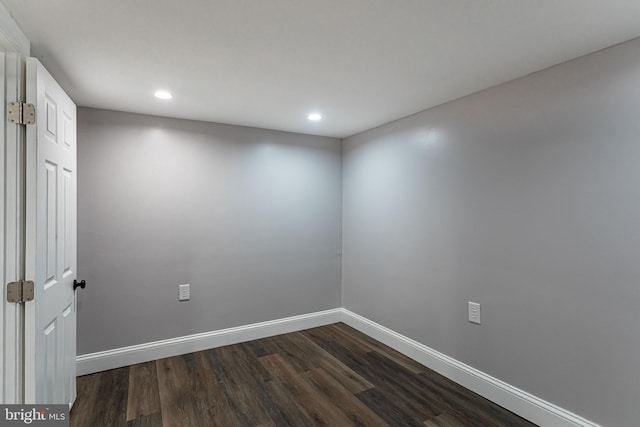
(352,212)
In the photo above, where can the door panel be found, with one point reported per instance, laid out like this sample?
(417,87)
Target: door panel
(50,359)
(51,222)
(67,204)
(50,320)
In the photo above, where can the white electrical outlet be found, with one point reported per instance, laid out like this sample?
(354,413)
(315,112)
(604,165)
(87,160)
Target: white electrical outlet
(474,312)
(184,292)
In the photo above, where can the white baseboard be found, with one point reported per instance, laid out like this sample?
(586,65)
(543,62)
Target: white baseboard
(125,356)
(517,401)
(520,402)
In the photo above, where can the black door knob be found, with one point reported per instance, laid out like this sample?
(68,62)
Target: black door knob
(81,284)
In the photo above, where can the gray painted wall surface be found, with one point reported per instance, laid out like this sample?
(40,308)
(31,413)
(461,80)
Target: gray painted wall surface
(524,198)
(250,218)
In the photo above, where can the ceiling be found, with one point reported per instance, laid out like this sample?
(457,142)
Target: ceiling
(269,63)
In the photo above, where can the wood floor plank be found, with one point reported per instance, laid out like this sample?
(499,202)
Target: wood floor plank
(177,406)
(258,347)
(334,333)
(443,395)
(383,349)
(354,409)
(113,392)
(153,420)
(389,408)
(446,420)
(464,404)
(414,387)
(264,346)
(407,387)
(209,392)
(279,407)
(404,395)
(143,398)
(237,372)
(199,396)
(317,409)
(316,357)
(109,407)
(87,392)
(284,410)
(336,349)
(301,356)
(346,376)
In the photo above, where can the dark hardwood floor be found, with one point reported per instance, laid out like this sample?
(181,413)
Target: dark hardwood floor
(329,376)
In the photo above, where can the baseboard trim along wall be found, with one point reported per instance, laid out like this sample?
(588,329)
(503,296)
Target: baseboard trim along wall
(520,402)
(125,356)
(532,408)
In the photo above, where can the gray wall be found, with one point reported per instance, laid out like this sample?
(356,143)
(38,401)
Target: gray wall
(524,198)
(250,218)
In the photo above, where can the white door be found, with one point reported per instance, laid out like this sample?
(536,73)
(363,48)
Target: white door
(50,244)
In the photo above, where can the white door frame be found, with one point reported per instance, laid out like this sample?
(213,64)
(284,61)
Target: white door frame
(16,47)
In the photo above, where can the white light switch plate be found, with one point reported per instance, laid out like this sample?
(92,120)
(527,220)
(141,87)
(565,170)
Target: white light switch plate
(184,292)
(474,312)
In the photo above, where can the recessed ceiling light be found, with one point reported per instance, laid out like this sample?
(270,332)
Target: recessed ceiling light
(314,117)
(163,94)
